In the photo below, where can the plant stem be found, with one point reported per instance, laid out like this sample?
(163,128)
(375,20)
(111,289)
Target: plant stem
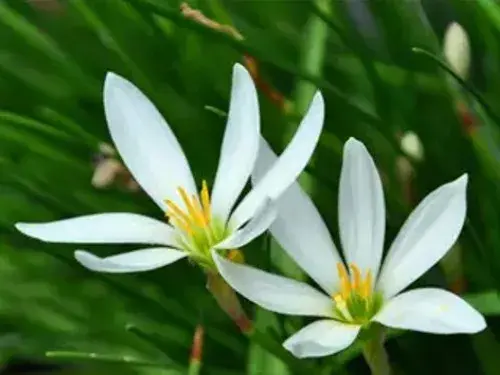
(376,356)
(228,301)
(196,351)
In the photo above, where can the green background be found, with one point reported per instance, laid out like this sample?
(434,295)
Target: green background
(53,60)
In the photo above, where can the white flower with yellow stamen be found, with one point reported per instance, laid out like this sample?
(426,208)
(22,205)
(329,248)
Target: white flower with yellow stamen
(353,296)
(197,222)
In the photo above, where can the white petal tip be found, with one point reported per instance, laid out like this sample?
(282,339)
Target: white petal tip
(240,73)
(353,142)
(296,349)
(110,77)
(237,67)
(475,323)
(113,80)
(88,260)
(21,227)
(31,230)
(318,99)
(462,180)
(305,349)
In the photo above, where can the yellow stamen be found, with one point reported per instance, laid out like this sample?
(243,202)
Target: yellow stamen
(366,286)
(180,224)
(200,217)
(356,274)
(345,284)
(236,256)
(339,300)
(177,214)
(189,205)
(205,200)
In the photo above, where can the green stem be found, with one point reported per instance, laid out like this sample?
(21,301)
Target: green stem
(194,368)
(196,351)
(376,356)
(228,301)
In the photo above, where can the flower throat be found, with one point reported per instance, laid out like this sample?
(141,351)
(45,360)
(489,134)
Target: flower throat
(355,302)
(198,229)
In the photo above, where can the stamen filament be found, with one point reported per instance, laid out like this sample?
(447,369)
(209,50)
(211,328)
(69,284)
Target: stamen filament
(366,287)
(345,284)
(180,224)
(199,211)
(191,210)
(341,305)
(177,214)
(356,284)
(205,200)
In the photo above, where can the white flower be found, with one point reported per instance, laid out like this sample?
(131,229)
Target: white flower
(197,222)
(358,292)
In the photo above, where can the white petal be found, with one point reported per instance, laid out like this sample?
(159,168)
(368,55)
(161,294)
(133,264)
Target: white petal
(361,208)
(102,228)
(240,145)
(429,232)
(135,261)
(431,310)
(300,230)
(145,142)
(272,292)
(254,228)
(321,338)
(289,165)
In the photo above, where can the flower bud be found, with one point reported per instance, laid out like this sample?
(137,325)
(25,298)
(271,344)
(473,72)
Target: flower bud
(457,49)
(412,146)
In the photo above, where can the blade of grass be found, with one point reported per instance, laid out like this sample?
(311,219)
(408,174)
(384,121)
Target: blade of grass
(468,87)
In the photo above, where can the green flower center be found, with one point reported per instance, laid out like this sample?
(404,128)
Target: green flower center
(198,230)
(356,302)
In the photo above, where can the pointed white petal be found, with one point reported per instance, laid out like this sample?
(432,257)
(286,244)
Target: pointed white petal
(135,261)
(288,166)
(272,292)
(361,208)
(321,338)
(429,232)
(102,228)
(431,310)
(145,142)
(300,230)
(240,144)
(254,228)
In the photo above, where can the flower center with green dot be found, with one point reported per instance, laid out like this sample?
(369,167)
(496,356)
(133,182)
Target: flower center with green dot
(197,229)
(355,302)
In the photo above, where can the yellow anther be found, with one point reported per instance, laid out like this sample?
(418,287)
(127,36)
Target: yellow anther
(177,214)
(200,217)
(356,275)
(182,225)
(236,256)
(366,287)
(205,200)
(189,205)
(345,284)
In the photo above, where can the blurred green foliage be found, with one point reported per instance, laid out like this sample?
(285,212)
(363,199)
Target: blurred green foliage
(53,59)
